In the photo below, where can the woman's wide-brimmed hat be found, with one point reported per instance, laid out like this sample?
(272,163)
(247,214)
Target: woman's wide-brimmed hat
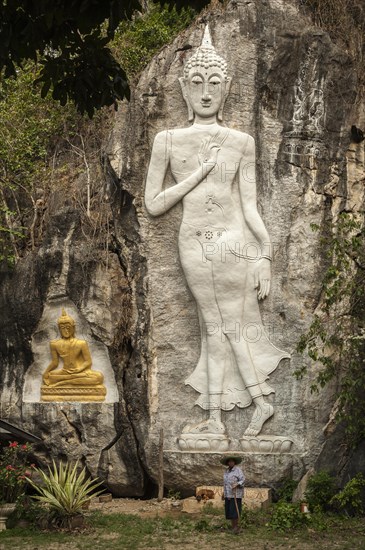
(226,459)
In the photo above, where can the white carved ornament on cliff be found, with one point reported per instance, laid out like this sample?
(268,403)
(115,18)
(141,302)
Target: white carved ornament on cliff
(225,251)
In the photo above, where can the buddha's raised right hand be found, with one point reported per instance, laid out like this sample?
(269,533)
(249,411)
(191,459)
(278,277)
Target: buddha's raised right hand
(208,153)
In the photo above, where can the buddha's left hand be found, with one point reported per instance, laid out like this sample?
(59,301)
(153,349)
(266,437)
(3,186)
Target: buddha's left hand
(263,278)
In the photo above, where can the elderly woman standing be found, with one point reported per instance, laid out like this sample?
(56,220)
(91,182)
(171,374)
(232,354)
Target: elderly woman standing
(233,480)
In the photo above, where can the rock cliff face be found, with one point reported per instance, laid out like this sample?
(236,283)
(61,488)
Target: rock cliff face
(295,92)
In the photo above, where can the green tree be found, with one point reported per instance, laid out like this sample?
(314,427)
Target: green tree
(28,129)
(135,42)
(70,39)
(44,145)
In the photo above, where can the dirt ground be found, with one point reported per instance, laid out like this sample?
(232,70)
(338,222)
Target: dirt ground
(142,508)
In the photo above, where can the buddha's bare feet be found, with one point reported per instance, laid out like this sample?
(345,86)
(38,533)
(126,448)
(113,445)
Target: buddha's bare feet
(210,426)
(261,414)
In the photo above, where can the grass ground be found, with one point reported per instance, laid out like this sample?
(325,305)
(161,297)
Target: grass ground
(118,531)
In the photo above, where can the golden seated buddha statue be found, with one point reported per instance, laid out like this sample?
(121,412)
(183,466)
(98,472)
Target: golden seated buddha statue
(75,381)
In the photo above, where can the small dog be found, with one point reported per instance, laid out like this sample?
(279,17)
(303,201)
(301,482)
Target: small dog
(204,494)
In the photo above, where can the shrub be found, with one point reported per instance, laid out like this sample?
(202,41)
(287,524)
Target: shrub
(350,499)
(13,471)
(136,42)
(320,490)
(287,516)
(30,511)
(286,490)
(64,491)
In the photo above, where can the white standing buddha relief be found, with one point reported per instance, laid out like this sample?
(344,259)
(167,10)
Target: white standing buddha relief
(224,249)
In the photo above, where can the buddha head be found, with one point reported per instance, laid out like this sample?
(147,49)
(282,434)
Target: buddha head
(66,325)
(205,84)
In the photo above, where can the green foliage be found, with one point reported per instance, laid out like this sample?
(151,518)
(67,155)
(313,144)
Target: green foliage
(71,42)
(13,471)
(286,490)
(116,531)
(65,491)
(256,517)
(320,520)
(286,517)
(29,132)
(336,337)
(136,42)
(37,135)
(203,525)
(28,125)
(210,510)
(246,516)
(175,495)
(351,499)
(320,490)
(29,510)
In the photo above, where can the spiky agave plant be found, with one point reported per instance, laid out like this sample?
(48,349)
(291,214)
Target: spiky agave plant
(64,490)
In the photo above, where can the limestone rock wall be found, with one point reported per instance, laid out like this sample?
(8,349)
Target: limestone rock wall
(94,290)
(296,93)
